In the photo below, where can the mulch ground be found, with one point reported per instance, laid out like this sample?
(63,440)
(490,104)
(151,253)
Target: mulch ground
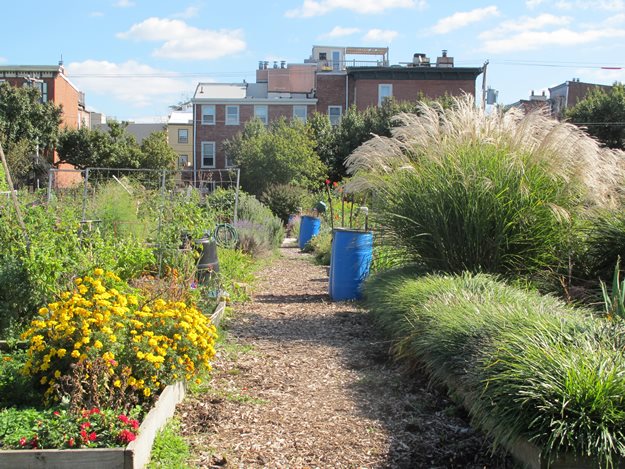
(307,383)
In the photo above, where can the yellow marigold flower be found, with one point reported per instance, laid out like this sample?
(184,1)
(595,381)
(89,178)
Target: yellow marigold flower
(98,272)
(82,289)
(57,374)
(97,344)
(198,381)
(43,380)
(152,342)
(43,311)
(77,345)
(132,299)
(113,338)
(117,383)
(86,339)
(75,354)
(140,355)
(78,281)
(147,392)
(132,381)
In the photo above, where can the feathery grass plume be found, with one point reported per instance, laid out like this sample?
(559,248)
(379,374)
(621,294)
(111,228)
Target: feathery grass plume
(467,190)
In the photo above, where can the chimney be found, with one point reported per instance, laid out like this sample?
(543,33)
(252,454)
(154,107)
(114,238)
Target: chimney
(283,64)
(260,65)
(444,61)
(265,65)
(275,64)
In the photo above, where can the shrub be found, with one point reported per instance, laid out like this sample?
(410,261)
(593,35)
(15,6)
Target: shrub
(143,348)
(532,366)
(321,247)
(252,210)
(254,239)
(284,200)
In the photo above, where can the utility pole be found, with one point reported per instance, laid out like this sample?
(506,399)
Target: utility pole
(484,85)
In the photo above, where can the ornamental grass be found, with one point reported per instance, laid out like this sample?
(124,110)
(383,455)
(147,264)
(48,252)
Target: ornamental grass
(101,345)
(459,189)
(528,366)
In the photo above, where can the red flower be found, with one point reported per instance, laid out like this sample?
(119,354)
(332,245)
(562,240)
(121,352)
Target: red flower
(92,436)
(22,441)
(34,442)
(126,436)
(134,424)
(335,184)
(327,182)
(123,418)
(83,435)
(56,413)
(95,410)
(71,442)
(85,425)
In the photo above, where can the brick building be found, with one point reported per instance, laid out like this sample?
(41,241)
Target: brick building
(331,80)
(54,86)
(569,93)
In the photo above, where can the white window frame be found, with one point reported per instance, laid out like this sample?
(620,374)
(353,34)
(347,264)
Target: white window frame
(230,120)
(186,139)
(204,114)
(300,107)
(338,118)
(266,116)
(212,144)
(382,97)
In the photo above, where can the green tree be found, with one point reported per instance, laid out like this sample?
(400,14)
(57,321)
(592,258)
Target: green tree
(603,114)
(282,153)
(86,148)
(25,124)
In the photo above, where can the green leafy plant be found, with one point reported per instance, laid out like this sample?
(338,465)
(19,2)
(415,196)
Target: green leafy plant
(614,301)
(284,200)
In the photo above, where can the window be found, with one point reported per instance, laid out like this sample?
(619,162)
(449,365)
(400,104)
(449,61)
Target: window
(232,115)
(183,161)
(262,113)
(208,154)
(208,114)
(299,112)
(334,113)
(384,92)
(336,60)
(183,136)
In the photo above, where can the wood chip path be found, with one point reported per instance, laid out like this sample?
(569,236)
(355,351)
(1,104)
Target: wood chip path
(307,383)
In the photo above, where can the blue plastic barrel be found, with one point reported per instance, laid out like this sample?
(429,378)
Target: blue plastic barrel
(349,262)
(308,227)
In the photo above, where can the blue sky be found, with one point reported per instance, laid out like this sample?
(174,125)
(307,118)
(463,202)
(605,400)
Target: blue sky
(133,58)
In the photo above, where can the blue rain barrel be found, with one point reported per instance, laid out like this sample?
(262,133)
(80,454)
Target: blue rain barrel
(308,227)
(349,262)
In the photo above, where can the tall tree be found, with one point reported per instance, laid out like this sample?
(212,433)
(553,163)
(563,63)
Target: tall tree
(603,115)
(282,153)
(25,124)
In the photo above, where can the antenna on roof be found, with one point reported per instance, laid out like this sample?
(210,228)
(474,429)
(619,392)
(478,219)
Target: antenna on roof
(61,61)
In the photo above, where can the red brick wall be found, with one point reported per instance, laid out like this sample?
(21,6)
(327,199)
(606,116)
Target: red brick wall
(366,91)
(330,92)
(220,132)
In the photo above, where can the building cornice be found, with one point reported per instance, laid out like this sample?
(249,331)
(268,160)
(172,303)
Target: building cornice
(268,101)
(414,73)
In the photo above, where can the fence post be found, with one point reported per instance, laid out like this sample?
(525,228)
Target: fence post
(160,225)
(236,199)
(50,175)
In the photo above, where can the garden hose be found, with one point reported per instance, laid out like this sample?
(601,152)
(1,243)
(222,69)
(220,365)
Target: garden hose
(225,235)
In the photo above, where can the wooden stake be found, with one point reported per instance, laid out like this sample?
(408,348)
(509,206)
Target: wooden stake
(16,204)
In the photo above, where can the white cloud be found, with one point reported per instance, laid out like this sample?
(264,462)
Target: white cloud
(138,85)
(189,12)
(181,41)
(531,4)
(607,5)
(385,36)
(532,40)
(320,7)
(3,60)
(338,31)
(124,4)
(461,19)
(525,23)
(601,76)
(95,14)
